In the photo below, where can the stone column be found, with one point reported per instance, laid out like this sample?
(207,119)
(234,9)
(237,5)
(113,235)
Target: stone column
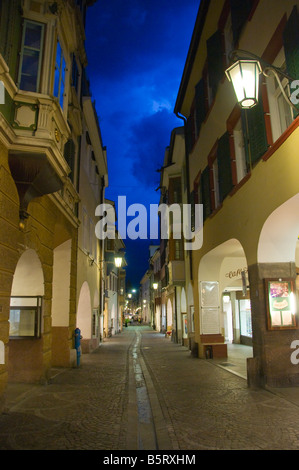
(271,364)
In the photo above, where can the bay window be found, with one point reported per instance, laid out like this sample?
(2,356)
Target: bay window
(59,77)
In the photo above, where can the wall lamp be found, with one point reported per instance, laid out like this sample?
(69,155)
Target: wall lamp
(118,261)
(155,285)
(118,258)
(245,72)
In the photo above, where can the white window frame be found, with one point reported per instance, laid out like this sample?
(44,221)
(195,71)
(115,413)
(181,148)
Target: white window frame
(240,154)
(275,98)
(60,96)
(23,47)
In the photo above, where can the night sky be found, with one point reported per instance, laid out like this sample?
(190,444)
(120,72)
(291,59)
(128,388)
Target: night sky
(136,53)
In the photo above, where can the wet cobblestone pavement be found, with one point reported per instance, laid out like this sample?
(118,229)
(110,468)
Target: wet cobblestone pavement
(193,404)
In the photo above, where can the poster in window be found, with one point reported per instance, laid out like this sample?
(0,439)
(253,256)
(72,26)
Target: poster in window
(281,304)
(210,321)
(209,294)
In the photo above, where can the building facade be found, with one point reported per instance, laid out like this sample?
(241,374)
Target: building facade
(115,284)
(241,166)
(44,114)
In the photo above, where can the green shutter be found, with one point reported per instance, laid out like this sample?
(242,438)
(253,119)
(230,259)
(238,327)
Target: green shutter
(10,33)
(200,104)
(291,45)
(206,192)
(189,134)
(215,60)
(224,166)
(240,10)
(255,135)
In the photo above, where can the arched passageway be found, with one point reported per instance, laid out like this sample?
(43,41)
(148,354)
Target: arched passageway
(224,297)
(25,358)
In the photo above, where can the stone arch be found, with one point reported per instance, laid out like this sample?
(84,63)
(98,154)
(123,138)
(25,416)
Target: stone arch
(223,270)
(26,356)
(279,235)
(28,279)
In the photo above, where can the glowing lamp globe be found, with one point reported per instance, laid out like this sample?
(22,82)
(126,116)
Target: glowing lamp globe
(244,75)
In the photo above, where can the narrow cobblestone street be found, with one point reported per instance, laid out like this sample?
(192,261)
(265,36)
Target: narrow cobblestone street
(139,391)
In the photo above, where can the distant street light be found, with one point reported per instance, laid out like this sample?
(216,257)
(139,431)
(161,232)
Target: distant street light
(118,261)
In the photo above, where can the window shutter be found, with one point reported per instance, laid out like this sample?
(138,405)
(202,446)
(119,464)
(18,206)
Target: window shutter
(200,104)
(69,155)
(254,130)
(239,13)
(215,60)
(224,167)
(206,192)
(189,134)
(291,45)
(10,33)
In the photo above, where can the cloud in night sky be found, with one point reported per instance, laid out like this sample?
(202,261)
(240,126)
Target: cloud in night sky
(136,52)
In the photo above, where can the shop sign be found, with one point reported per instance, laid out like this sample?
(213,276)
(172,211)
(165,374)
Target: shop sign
(236,273)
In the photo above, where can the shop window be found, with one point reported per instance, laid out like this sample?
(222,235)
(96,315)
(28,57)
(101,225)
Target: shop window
(245,318)
(59,76)
(31,56)
(25,317)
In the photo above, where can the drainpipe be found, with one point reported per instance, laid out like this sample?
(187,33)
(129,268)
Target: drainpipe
(180,116)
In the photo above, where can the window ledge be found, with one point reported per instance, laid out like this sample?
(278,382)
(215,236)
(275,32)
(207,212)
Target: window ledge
(281,139)
(240,184)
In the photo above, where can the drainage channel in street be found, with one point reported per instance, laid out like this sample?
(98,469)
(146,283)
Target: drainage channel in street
(146,429)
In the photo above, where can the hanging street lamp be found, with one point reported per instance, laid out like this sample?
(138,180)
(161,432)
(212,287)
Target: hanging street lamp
(244,75)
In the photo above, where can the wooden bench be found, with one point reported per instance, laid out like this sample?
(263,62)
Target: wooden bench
(214,350)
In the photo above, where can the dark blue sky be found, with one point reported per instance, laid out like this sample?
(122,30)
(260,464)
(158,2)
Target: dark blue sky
(136,53)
